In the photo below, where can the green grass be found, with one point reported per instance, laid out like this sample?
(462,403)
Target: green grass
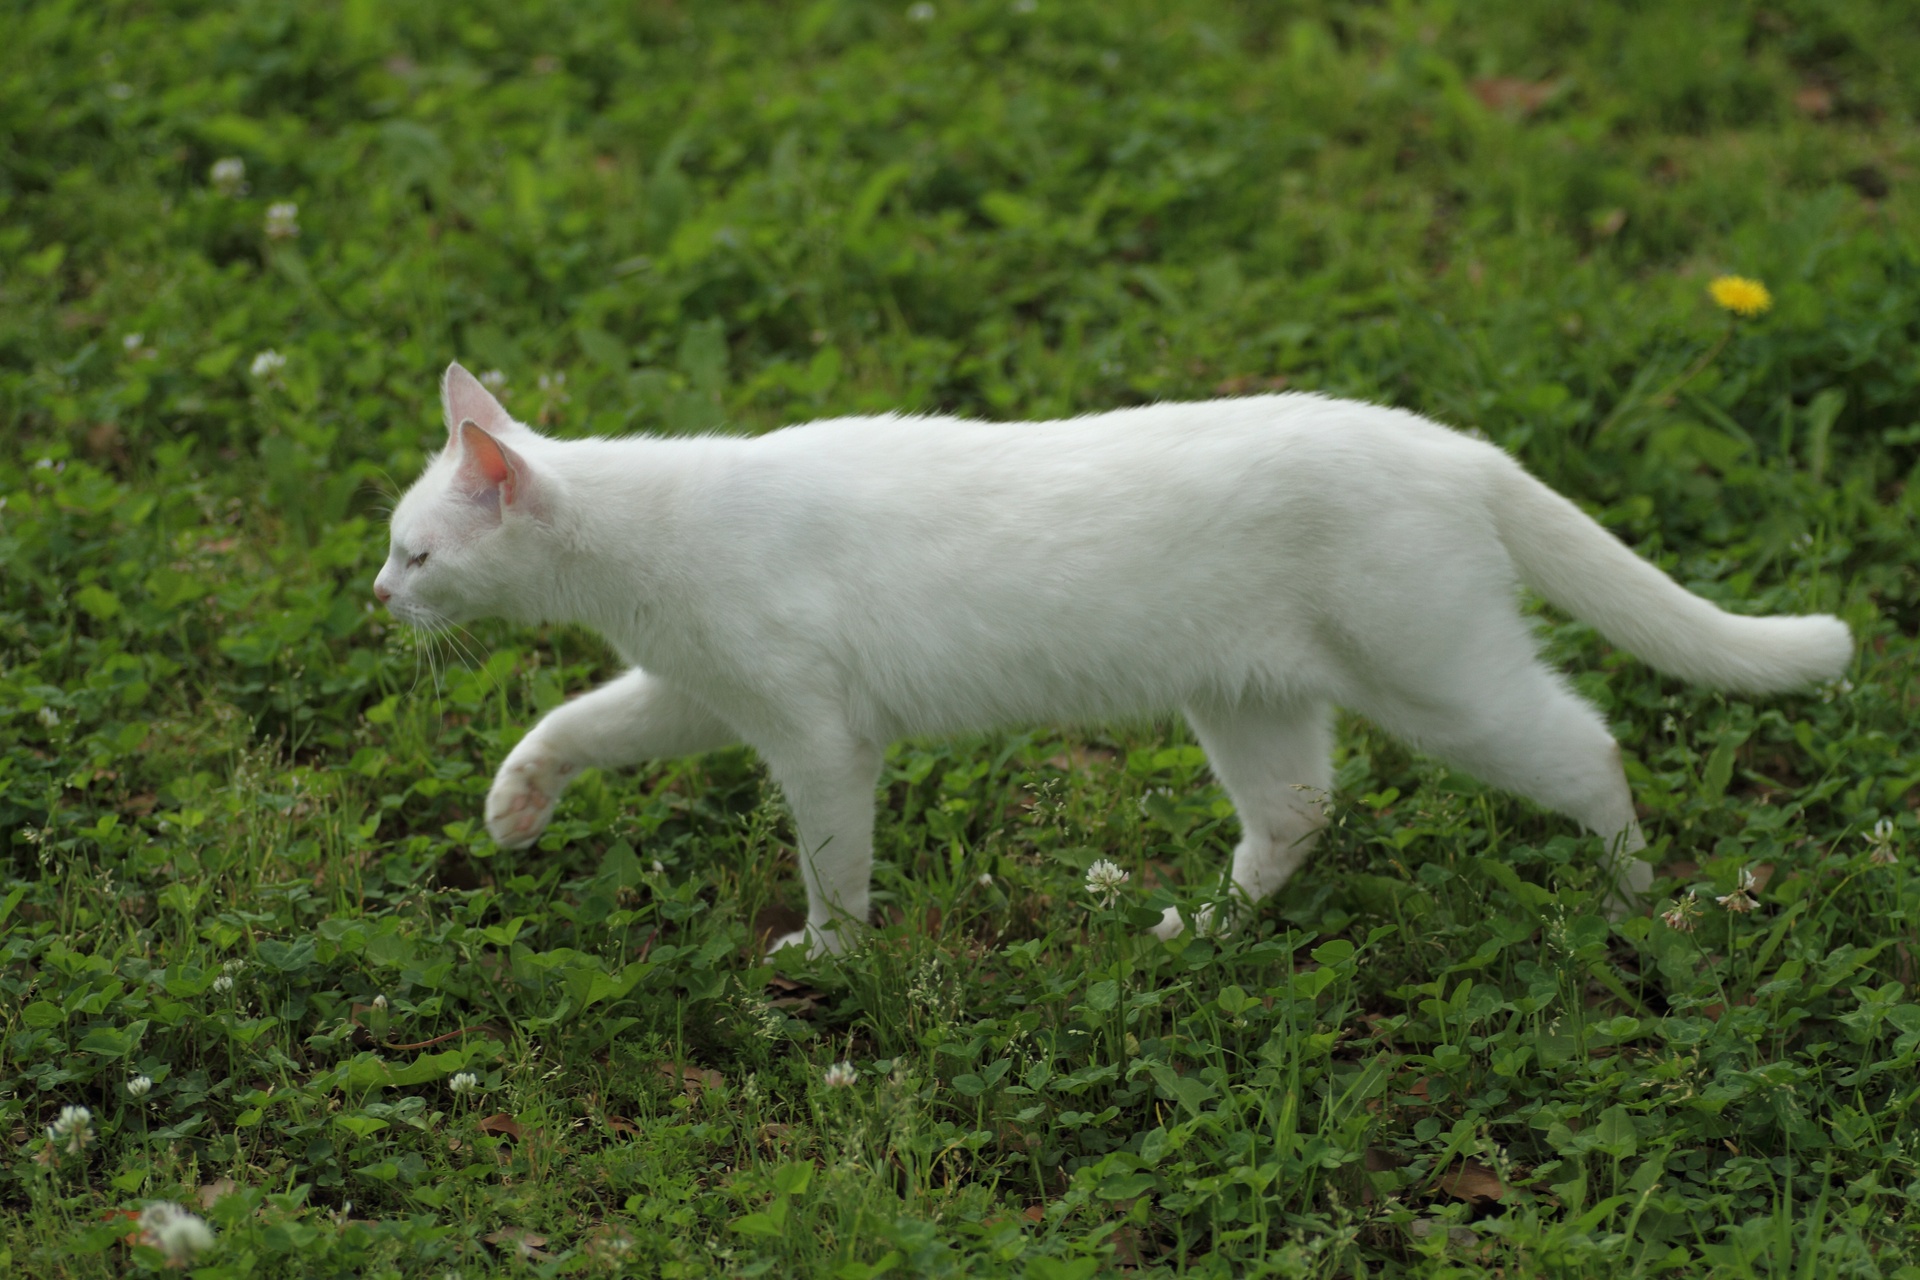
(239,809)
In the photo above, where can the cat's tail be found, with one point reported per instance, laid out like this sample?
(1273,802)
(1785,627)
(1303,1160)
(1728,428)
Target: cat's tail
(1582,568)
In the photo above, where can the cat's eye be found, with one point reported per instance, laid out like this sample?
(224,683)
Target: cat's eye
(414,562)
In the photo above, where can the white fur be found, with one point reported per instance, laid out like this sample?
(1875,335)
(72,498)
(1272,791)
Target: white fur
(823,590)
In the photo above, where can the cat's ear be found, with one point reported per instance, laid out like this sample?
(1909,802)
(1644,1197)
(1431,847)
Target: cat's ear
(492,475)
(464,399)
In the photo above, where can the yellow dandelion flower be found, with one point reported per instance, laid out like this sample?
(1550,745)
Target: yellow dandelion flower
(1740,295)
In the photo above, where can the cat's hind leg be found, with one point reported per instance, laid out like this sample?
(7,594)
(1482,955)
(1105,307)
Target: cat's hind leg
(1275,762)
(1502,716)
(633,718)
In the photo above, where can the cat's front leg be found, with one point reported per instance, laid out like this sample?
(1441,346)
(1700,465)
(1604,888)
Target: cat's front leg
(636,717)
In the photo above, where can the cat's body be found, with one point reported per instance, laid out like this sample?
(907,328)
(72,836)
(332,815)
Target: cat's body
(823,590)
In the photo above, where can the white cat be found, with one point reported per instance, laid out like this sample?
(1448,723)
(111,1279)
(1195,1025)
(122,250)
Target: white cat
(823,590)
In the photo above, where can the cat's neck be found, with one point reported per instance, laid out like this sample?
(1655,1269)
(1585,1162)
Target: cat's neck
(620,554)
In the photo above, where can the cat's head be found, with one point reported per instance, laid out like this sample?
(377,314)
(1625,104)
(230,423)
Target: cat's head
(471,538)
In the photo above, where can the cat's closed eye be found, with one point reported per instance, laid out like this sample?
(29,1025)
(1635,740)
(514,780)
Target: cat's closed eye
(414,562)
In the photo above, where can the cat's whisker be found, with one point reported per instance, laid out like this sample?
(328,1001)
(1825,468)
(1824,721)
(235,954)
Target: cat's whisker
(423,661)
(442,659)
(426,649)
(469,647)
(386,486)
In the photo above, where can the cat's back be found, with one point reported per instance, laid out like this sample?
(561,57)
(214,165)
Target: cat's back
(1326,446)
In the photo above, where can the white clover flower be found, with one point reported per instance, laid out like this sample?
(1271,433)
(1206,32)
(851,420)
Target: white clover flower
(48,717)
(73,1129)
(464,1082)
(493,379)
(922,12)
(1104,880)
(283,220)
(1881,842)
(838,1076)
(229,174)
(267,364)
(380,1002)
(139,1086)
(131,341)
(986,880)
(659,867)
(1680,916)
(174,1232)
(1741,899)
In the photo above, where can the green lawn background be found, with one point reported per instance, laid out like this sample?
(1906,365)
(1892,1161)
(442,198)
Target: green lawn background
(239,808)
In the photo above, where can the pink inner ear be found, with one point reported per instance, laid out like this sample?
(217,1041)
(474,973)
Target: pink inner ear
(488,469)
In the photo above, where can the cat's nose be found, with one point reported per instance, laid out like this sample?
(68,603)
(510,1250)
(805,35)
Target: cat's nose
(381,593)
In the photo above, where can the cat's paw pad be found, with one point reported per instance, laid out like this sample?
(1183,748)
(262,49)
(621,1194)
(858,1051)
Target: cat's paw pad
(523,797)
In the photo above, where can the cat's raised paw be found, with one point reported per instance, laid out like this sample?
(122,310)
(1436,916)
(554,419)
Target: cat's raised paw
(1205,925)
(812,940)
(524,794)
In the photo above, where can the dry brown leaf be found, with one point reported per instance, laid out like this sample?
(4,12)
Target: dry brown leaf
(1015,1139)
(1034,1213)
(215,1191)
(691,1078)
(521,1241)
(1472,1181)
(1379,1159)
(1814,100)
(795,997)
(622,1125)
(607,1242)
(1507,93)
(501,1123)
